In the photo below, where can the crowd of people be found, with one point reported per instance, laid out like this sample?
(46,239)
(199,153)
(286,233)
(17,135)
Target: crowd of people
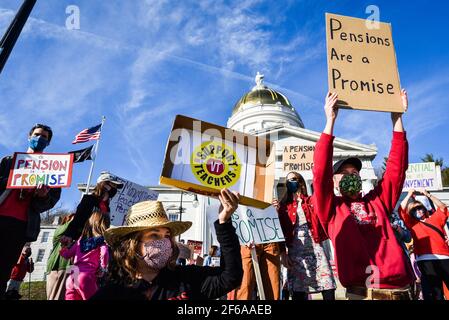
(380,252)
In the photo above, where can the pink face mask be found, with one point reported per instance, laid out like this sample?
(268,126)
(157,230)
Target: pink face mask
(157,253)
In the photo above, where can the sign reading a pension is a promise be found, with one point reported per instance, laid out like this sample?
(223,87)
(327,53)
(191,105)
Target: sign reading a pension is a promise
(362,66)
(32,169)
(423,175)
(298,158)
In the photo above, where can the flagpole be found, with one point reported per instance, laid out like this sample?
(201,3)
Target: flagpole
(86,191)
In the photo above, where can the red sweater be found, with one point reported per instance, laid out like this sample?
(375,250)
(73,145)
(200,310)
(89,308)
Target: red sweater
(21,268)
(360,229)
(426,240)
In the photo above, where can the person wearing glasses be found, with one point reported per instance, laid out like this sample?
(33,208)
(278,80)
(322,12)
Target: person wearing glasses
(97,201)
(308,267)
(20,209)
(430,242)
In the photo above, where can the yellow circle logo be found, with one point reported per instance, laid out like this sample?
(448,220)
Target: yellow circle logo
(215,165)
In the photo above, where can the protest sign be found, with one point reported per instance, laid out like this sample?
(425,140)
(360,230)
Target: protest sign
(32,169)
(204,158)
(251,224)
(423,175)
(130,194)
(362,65)
(196,247)
(298,158)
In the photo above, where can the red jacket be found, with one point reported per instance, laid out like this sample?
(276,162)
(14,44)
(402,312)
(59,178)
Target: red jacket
(287,218)
(360,229)
(426,240)
(20,270)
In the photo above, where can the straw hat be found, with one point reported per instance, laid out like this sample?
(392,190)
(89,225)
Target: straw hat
(143,216)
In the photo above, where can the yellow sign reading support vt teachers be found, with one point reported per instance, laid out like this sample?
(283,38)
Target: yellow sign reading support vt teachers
(362,65)
(215,165)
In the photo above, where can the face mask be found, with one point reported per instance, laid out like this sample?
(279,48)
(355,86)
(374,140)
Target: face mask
(350,184)
(292,186)
(158,253)
(38,143)
(112,192)
(418,212)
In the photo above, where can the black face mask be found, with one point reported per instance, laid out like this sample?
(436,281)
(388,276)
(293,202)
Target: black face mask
(112,193)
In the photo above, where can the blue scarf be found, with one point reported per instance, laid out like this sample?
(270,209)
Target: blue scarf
(88,244)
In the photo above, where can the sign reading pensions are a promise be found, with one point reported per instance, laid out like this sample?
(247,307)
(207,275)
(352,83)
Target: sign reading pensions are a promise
(298,158)
(423,175)
(362,65)
(32,169)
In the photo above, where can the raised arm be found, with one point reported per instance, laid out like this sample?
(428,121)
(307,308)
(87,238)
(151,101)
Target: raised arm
(219,281)
(406,199)
(322,171)
(434,199)
(389,188)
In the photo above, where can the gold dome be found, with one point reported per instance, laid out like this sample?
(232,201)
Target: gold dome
(261,95)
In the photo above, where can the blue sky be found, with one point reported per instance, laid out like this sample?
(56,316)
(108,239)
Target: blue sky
(140,63)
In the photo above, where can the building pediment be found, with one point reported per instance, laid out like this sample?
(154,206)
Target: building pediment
(286,134)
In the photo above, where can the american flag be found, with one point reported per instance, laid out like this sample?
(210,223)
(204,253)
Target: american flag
(88,134)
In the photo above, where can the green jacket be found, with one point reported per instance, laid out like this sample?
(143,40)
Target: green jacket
(55,261)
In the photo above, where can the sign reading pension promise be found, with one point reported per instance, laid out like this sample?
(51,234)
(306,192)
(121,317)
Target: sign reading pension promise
(362,66)
(32,169)
(423,175)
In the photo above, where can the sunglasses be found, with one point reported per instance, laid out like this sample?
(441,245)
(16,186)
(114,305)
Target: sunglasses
(419,208)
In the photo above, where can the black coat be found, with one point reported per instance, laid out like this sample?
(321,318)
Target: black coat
(189,282)
(37,205)
(88,204)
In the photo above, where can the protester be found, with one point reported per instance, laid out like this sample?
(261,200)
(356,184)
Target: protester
(430,242)
(403,235)
(57,265)
(24,265)
(308,268)
(144,255)
(98,201)
(213,252)
(369,260)
(20,209)
(91,257)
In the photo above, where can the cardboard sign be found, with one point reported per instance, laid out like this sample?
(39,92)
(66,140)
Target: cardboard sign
(204,158)
(196,247)
(32,169)
(251,224)
(423,175)
(362,65)
(298,158)
(130,194)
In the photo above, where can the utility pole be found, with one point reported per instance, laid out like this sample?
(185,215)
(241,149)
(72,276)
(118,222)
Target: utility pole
(15,28)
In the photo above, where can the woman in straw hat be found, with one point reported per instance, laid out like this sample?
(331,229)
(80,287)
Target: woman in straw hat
(143,260)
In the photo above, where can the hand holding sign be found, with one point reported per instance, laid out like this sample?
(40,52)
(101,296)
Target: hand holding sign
(41,191)
(229,203)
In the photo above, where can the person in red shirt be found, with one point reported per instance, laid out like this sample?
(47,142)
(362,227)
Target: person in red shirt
(24,264)
(430,242)
(20,209)
(369,260)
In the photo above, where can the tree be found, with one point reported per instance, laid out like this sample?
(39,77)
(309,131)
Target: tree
(430,158)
